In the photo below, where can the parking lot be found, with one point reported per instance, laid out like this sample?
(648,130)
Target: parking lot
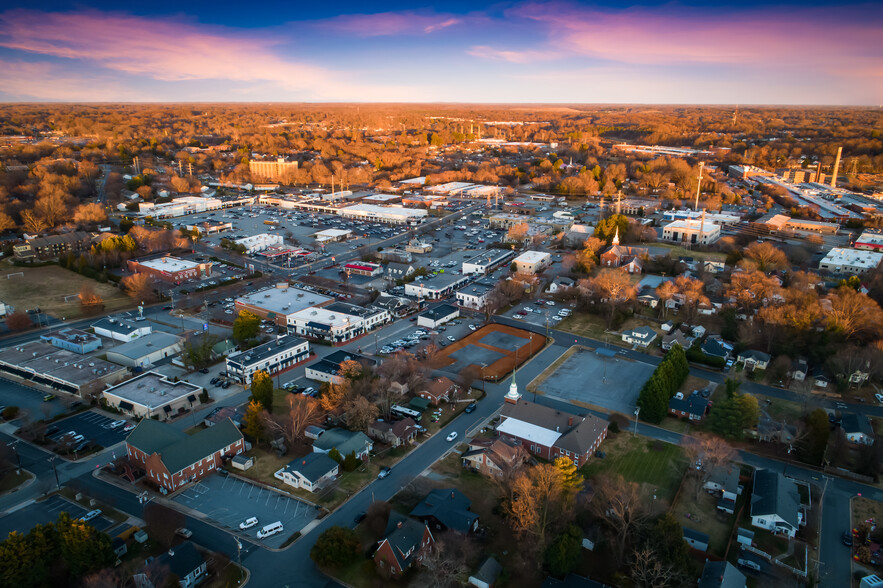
(30,400)
(228,501)
(610,382)
(46,511)
(91,425)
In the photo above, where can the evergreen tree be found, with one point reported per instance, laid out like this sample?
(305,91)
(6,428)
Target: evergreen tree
(563,554)
(350,462)
(335,455)
(570,477)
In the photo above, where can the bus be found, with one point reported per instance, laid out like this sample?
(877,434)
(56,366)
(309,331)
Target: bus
(402,412)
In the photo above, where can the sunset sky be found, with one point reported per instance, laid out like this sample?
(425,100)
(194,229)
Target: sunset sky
(636,52)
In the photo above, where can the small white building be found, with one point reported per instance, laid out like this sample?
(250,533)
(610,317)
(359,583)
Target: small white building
(642,336)
(259,242)
(840,260)
(532,262)
(332,235)
(121,329)
(693,232)
(474,296)
(310,472)
(438,315)
(273,357)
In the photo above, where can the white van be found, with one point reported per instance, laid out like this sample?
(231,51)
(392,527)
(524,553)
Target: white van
(270,530)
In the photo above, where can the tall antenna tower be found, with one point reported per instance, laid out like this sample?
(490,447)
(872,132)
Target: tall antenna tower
(699,185)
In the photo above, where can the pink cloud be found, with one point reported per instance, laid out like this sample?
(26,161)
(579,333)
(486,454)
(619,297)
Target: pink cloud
(23,80)
(486,52)
(169,50)
(384,24)
(757,38)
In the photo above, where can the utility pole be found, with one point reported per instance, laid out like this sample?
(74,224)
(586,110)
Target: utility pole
(699,185)
(239,557)
(637,412)
(55,469)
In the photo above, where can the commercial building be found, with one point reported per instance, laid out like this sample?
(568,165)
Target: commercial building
(695,232)
(171,269)
(396,215)
(281,303)
(550,433)
(711,217)
(437,315)
(326,370)
(73,340)
(259,242)
(532,262)
(277,170)
(869,241)
(363,268)
(435,287)
(146,351)
(172,458)
(382,199)
(840,260)
(487,261)
(54,245)
(181,206)
(210,227)
(150,394)
(337,322)
(332,235)
(782,222)
(121,329)
(272,357)
(474,296)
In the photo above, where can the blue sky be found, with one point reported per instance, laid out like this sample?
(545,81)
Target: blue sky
(532,51)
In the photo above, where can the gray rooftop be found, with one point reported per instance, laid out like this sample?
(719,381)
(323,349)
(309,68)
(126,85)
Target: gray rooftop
(146,345)
(773,493)
(177,449)
(266,350)
(118,325)
(283,301)
(153,390)
(312,466)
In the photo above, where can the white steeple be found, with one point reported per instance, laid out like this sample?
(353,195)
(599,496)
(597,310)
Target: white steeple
(512,395)
(616,237)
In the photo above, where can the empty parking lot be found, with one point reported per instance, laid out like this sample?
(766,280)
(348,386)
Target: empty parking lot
(228,501)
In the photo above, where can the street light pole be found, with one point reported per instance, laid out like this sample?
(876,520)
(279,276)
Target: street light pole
(637,412)
(239,557)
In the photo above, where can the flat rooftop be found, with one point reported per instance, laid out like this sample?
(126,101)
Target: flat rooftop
(146,344)
(533,257)
(168,264)
(153,390)
(285,301)
(267,350)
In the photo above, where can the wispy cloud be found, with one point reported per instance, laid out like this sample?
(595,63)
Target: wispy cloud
(23,80)
(383,24)
(486,52)
(171,50)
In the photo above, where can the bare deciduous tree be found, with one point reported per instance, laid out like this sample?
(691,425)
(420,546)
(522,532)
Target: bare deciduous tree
(621,505)
(302,412)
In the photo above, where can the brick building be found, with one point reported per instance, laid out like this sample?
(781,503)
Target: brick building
(54,245)
(171,269)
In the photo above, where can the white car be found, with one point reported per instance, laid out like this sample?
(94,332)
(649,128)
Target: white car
(879,398)
(452,436)
(451,339)
(472,327)
(550,303)
(116,424)
(248,523)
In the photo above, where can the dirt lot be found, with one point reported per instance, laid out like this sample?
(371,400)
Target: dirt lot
(504,361)
(46,287)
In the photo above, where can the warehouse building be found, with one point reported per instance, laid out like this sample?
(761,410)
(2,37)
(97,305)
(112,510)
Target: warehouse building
(850,261)
(272,357)
(121,329)
(145,351)
(151,394)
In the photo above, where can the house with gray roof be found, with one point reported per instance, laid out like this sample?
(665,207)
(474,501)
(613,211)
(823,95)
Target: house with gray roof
(857,428)
(753,359)
(404,543)
(186,563)
(345,442)
(446,508)
(721,574)
(173,459)
(775,503)
(310,472)
(642,336)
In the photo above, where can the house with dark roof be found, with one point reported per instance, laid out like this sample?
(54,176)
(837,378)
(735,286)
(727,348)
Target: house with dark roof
(721,574)
(345,442)
(446,509)
(173,459)
(310,472)
(690,406)
(715,347)
(439,389)
(486,575)
(494,457)
(393,433)
(775,503)
(404,543)
(642,336)
(696,539)
(398,271)
(572,581)
(186,563)
(799,370)
(723,481)
(437,315)
(857,428)
(753,359)
(551,433)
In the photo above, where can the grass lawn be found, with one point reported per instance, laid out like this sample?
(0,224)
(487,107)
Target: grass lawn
(768,542)
(781,409)
(704,516)
(45,287)
(864,509)
(659,466)
(12,480)
(593,325)
(678,251)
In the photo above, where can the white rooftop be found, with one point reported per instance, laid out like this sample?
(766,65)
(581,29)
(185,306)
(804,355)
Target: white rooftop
(169,264)
(380,198)
(693,225)
(153,390)
(870,238)
(840,256)
(326,317)
(532,257)
(528,432)
(375,210)
(285,301)
(331,233)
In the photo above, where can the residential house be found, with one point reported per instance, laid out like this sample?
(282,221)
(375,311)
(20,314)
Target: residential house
(715,347)
(560,284)
(220,414)
(572,581)
(394,433)
(667,326)
(691,406)
(439,389)
(642,336)
(311,472)
(184,562)
(723,481)
(857,428)
(446,509)
(713,267)
(494,457)
(173,459)
(696,540)
(721,574)
(676,337)
(820,378)
(753,359)
(399,271)
(313,432)
(404,543)
(486,575)
(775,503)
(345,442)
(551,433)
(648,297)
(799,370)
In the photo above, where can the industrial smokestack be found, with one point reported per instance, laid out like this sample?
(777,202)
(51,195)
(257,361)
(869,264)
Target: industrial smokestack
(836,168)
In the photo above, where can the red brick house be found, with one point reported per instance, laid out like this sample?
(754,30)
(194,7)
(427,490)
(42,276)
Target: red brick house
(439,389)
(550,433)
(404,543)
(494,457)
(173,458)
(629,258)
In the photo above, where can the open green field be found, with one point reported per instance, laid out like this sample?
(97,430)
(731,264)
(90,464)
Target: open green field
(46,287)
(678,251)
(659,466)
(594,325)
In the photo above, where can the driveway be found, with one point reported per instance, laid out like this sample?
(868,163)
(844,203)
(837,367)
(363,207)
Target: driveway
(229,500)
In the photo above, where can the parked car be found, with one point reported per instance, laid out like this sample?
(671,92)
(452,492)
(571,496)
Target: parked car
(248,523)
(359,518)
(847,538)
(470,407)
(183,532)
(48,397)
(90,515)
(129,427)
(116,424)
(451,339)
(472,327)
(452,436)
(384,472)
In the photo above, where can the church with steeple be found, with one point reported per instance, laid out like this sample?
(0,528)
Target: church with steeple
(631,259)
